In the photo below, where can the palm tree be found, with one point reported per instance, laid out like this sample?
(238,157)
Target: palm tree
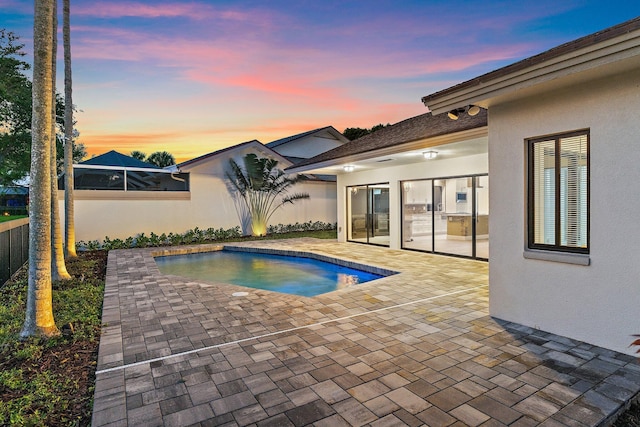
(39,311)
(258,185)
(137,154)
(58,267)
(161,159)
(69,221)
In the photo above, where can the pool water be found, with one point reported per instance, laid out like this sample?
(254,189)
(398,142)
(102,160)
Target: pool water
(287,274)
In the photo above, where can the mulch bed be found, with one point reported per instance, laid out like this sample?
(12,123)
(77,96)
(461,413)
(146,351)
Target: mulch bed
(75,360)
(630,418)
(70,359)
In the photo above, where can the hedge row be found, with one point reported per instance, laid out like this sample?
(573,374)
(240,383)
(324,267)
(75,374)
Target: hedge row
(195,236)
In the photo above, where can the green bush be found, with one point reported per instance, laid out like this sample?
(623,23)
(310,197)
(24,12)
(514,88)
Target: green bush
(196,235)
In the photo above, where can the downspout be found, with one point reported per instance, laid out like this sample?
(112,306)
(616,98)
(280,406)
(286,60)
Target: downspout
(175,178)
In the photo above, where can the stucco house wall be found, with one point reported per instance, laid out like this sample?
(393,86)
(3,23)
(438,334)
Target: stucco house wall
(467,165)
(120,214)
(596,303)
(110,213)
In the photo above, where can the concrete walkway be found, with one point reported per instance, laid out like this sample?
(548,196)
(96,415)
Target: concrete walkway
(415,348)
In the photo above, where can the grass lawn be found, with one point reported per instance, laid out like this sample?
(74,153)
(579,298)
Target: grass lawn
(52,382)
(11,217)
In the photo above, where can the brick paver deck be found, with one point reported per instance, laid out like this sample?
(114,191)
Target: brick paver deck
(415,348)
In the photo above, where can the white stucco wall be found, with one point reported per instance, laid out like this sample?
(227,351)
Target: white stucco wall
(598,303)
(469,165)
(209,204)
(120,218)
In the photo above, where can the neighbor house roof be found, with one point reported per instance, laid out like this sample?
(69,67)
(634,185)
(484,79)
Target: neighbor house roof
(410,130)
(14,190)
(258,146)
(113,158)
(589,52)
(218,152)
(282,141)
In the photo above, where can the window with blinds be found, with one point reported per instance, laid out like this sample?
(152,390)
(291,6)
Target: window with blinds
(558,199)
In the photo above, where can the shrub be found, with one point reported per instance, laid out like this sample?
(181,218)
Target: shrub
(195,235)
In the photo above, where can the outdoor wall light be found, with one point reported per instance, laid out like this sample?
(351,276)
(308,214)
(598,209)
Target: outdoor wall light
(430,155)
(455,114)
(472,110)
(348,168)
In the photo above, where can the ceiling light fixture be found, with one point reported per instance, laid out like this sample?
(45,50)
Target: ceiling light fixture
(348,168)
(430,155)
(473,110)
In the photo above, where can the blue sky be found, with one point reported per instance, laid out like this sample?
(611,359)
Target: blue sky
(191,77)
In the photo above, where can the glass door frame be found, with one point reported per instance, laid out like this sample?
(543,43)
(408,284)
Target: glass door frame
(474,216)
(369,216)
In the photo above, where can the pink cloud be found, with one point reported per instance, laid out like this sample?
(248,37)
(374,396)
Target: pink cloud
(17,6)
(266,82)
(484,55)
(142,10)
(268,63)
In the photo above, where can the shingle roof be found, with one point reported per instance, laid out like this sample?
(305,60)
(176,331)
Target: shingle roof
(591,39)
(215,153)
(16,190)
(277,142)
(113,158)
(409,130)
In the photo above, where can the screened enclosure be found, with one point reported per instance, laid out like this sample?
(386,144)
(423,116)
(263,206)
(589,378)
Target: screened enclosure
(126,179)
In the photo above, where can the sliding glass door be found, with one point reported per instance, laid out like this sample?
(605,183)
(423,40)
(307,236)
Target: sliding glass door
(419,202)
(447,216)
(368,214)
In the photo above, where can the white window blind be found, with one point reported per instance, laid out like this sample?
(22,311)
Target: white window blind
(558,192)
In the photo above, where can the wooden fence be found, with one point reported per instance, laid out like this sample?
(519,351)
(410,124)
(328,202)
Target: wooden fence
(14,247)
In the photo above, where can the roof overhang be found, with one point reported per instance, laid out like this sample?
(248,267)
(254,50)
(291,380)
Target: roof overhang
(466,142)
(607,53)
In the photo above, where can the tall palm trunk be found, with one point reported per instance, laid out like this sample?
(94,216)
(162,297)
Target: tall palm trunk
(39,311)
(58,267)
(69,221)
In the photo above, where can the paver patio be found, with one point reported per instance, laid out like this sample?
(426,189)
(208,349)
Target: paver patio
(415,348)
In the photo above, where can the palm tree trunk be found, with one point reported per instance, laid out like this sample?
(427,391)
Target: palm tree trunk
(69,221)
(39,311)
(58,267)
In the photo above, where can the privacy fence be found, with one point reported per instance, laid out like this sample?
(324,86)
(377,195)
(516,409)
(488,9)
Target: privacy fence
(14,247)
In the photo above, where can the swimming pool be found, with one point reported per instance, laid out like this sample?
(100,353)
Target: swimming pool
(287,274)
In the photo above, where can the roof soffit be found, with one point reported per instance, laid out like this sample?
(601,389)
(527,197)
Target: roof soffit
(421,144)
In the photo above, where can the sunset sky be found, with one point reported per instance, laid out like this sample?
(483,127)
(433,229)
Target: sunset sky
(191,77)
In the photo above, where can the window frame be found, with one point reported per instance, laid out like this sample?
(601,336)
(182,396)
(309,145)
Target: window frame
(531,206)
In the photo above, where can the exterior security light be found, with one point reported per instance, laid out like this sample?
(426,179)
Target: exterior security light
(473,110)
(348,168)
